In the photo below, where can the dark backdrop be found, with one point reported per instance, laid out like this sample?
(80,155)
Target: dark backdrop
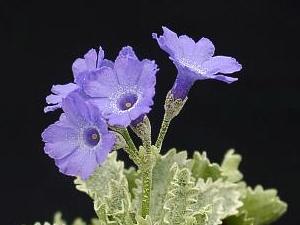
(258,115)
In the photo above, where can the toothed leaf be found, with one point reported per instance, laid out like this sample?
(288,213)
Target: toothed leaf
(230,165)
(131,176)
(143,221)
(217,199)
(115,207)
(203,168)
(264,206)
(161,180)
(181,196)
(98,182)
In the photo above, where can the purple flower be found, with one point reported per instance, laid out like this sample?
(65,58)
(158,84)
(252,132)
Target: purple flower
(91,62)
(59,93)
(80,140)
(125,91)
(195,61)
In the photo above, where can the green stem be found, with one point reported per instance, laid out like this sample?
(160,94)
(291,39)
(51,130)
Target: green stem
(147,144)
(128,139)
(162,133)
(132,155)
(146,170)
(144,162)
(131,149)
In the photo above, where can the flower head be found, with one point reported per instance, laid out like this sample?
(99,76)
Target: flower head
(91,61)
(124,92)
(195,61)
(80,140)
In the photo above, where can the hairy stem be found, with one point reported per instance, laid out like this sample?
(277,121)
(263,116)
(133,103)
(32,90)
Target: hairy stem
(132,155)
(147,144)
(162,133)
(130,149)
(146,170)
(128,139)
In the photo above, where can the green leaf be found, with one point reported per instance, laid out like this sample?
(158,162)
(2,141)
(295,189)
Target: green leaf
(181,196)
(78,221)
(58,220)
(230,165)
(161,180)
(118,199)
(102,215)
(108,187)
(264,206)
(240,219)
(131,175)
(203,168)
(184,192)
(143,221)
(95,221)
(216,200)
(98,182)
(115,207)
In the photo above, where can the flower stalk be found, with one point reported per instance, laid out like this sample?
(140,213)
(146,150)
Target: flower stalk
(163,131)
(143,130)
(143,159)
(172,108)
(146,170)
(130,148)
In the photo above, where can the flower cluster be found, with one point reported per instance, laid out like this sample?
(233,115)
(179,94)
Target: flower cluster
(106,96)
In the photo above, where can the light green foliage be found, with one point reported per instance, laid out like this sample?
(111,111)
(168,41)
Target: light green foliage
(116,204)
(230,165)
(161,180)
(58,220)
(108,187)
(261,207)
(98,183)
(240,219)
(218,199)
(79,221)
(202,168)
(184,192)
(181,196)
(131,175)
(143,221)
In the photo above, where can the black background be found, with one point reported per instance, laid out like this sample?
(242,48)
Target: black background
(258,115)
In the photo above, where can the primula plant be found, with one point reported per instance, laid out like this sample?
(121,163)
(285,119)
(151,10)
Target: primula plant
(108,99)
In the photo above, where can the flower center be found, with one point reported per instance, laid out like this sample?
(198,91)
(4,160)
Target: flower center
(128,105)
(127,101)
(91,137)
